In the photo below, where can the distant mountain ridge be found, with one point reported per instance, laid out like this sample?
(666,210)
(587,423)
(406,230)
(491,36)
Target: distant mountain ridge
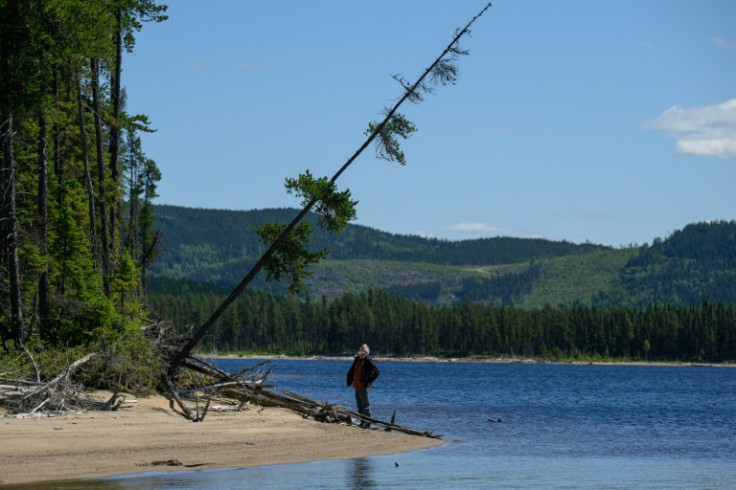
(217,247)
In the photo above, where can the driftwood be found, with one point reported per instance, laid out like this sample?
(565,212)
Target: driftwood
(51,385)
(60,395)
(250,386)
(185,411)
(339,413)
(198,383)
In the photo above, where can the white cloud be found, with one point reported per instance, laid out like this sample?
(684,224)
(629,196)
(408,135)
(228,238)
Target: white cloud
(476,227)
(422,234)
(715,147)
(706,131)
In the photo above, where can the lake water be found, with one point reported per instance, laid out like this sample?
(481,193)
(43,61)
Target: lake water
(562,427)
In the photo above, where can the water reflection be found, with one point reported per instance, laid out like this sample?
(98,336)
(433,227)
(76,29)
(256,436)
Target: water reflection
(361,475)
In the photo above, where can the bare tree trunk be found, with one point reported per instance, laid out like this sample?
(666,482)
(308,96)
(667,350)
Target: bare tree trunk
(58,170)
(43,225)
(115,126)
(8,190)
(101,180)
(147,255)
(87,174)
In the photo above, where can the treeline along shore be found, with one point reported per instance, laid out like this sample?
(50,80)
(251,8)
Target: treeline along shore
(264,322)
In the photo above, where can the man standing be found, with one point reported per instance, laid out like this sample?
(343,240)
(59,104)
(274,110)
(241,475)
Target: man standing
(361,375)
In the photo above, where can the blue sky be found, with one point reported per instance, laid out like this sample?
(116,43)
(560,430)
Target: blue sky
(613,122)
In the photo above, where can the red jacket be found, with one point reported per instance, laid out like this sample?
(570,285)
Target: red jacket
(369,371)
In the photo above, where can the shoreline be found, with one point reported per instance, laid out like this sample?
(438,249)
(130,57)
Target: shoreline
(145,435)
(471,360)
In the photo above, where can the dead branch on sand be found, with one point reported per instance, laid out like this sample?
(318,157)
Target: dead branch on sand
(61,395)
(250,386)
(190,394)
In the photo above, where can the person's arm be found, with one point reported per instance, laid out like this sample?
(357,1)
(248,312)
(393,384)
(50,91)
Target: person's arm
(350,374)
(374,372)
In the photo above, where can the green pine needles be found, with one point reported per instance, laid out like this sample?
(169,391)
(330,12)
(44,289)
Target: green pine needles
(292,258)
(388,147)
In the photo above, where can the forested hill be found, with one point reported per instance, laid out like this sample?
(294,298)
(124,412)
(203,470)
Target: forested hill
(224,235)
(696,262)
(218,248)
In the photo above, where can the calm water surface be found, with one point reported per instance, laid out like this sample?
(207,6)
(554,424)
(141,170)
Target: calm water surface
(562,426)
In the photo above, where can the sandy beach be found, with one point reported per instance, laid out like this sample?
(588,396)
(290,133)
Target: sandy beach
(145,433)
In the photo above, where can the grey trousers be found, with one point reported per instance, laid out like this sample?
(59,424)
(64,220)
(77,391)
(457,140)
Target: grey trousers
(363,402)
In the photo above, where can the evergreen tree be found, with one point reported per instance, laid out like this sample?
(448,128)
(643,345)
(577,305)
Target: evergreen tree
(59,280)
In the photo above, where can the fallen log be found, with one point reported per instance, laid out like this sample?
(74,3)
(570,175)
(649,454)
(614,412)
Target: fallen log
(258,392)
(343,413)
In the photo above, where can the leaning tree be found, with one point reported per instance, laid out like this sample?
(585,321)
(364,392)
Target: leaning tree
(286,254)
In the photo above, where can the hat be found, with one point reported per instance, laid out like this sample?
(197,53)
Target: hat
(364,348)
